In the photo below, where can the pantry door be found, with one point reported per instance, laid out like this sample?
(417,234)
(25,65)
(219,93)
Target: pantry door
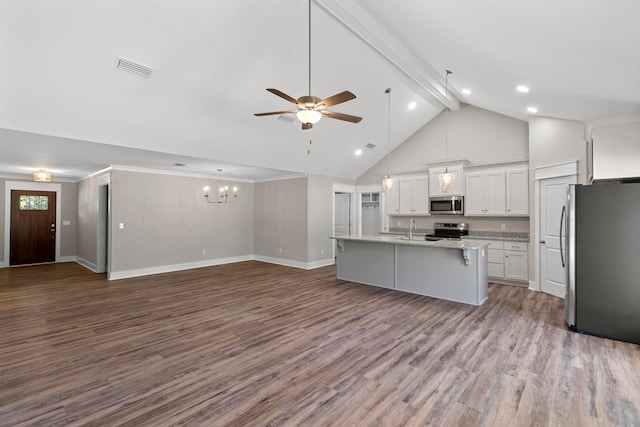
(33,227)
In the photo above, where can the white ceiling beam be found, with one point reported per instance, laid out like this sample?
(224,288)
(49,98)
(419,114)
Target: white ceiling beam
(360,22)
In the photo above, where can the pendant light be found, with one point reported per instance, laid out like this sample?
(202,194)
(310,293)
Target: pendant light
(388,183)
(446,179)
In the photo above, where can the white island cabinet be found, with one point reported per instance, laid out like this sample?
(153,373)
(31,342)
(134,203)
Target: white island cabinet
(451,270)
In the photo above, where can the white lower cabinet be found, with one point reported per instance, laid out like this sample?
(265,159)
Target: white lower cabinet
(507,261)
(516,261)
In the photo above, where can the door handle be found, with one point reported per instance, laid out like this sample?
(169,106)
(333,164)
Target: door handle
(560,235)
(543,242)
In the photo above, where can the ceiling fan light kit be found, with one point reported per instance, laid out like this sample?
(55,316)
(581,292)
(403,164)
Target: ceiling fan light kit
(311,108)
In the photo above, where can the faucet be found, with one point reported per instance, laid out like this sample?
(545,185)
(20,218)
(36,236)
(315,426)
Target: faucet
(412,226)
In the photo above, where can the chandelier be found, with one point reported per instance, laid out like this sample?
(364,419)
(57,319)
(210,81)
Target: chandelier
(225,194)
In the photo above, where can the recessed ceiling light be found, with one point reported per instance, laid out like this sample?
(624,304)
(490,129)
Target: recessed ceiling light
(412,105)
(466,91)
(522,89)
(358,152)
(532,110)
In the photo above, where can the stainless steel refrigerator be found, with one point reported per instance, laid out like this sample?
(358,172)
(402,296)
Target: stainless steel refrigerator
(603,260)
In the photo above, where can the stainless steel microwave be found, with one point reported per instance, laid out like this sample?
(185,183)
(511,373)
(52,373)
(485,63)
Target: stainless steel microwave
(446,205)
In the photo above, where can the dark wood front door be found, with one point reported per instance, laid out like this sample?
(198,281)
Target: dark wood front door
(33,227)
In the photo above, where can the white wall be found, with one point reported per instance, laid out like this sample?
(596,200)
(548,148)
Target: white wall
(477,135)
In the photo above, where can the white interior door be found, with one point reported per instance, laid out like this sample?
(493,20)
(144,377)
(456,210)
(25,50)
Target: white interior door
(342,224)
(553,201)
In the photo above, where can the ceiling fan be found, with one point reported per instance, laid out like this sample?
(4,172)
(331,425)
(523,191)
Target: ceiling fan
(311,108)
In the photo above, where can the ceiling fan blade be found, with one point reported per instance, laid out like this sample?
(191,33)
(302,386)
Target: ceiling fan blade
(341,116)
(338,98)
(273,113)
(307,126)
(283,95)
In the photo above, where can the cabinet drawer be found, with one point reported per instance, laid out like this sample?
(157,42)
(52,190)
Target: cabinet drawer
(516,246)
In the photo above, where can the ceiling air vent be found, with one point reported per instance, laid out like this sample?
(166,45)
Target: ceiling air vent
(370,146)
(134,68)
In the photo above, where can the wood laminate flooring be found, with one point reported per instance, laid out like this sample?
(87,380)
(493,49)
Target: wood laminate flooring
(252,344)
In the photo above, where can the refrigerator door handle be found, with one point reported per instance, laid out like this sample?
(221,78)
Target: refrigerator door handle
(560,235)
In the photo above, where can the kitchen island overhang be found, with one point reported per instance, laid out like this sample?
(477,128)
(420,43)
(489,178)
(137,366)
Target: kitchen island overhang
(455,270)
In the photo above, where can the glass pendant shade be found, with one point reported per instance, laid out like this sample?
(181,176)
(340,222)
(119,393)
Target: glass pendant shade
(446,180)
(388,184)
(309,116)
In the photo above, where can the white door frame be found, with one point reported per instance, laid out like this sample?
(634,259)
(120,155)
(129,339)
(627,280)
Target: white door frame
(29,186)
(343,188)
(569,170)
(373,188)
(103,240)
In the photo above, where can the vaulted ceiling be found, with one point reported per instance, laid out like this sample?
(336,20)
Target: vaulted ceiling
(213,60)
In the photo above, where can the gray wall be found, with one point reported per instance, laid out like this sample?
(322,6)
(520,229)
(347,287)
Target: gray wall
(280,220)
(87,200)
(167,221)
(552,141)
(321,216)
(477,135)
(68,233)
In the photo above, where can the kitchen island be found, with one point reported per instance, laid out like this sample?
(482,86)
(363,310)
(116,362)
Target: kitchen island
(454,270)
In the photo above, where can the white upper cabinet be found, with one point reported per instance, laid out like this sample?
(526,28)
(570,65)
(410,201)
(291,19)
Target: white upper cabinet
(413,195)
(518,192)
(485,193)
(497,192)
(458,183)
(391,201)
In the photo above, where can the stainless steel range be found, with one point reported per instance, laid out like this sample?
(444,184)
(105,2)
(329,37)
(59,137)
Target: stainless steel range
(448,230)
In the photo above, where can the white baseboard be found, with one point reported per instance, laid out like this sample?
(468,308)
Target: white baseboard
(533,286)
(176,267)
(198,264)
(89,265)
(295,264)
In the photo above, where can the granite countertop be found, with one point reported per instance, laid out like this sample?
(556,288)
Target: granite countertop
(402,239)
(509,236)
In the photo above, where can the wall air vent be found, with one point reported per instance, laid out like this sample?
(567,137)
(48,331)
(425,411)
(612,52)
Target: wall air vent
(134,68)
(370,146)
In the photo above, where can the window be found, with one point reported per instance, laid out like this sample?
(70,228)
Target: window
(34,203)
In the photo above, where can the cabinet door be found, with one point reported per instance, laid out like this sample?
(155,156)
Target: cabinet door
(391,202)
(419,195)
(404,195)
(516,265)
(474,197)
(518,192)
(495,193)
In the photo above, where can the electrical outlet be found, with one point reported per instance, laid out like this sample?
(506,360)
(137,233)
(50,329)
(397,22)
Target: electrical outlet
(399,223)
(279,250)
(321,251)
(204,252)
(502,226)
